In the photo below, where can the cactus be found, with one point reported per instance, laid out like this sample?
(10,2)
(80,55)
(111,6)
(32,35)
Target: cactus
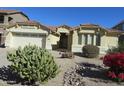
(33,63)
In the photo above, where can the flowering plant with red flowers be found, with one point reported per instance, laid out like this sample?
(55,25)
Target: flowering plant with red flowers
(116,63)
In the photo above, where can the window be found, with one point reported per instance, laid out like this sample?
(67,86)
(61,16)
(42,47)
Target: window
(1,19)
(98,40)
(17,34)
(40,35)
(34,35)
(25,34)
(80,39)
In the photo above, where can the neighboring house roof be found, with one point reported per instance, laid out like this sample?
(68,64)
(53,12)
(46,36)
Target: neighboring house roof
(12,12)
(121,22)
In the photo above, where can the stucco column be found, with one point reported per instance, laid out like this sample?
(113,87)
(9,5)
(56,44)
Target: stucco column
(6,19)
(94,42)
(83,39)
(75,38)
(89,39)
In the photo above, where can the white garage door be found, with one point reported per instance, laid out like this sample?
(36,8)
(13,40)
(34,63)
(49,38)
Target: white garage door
(25,39)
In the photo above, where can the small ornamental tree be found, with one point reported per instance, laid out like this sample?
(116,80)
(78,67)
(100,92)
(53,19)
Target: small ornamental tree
(33,64)
(115,62)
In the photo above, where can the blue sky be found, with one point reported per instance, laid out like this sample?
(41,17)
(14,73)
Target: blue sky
(106,17)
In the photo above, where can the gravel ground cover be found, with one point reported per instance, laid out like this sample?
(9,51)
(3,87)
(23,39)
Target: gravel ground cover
(78,71)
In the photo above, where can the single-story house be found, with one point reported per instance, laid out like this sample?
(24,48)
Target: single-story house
(61,37)
(74,38)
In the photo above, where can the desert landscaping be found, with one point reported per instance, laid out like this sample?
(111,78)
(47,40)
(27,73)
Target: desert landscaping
(77,71)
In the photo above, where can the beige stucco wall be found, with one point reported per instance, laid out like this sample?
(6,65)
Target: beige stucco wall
(51,41)
(8,39)
(108,42)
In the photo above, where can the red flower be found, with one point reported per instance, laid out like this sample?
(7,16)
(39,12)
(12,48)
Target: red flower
(116,60)
(121,76)
(111,74)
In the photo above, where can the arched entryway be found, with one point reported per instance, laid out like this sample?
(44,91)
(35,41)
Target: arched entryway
(63,43)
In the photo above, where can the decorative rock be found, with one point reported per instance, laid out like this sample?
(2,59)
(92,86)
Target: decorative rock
(72,78)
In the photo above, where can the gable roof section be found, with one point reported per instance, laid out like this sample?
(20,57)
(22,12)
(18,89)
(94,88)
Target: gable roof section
(33,23)
(8,12)
(53,28)
(29,23)
(65,26)
(113,32)
(110,32)
(86,26)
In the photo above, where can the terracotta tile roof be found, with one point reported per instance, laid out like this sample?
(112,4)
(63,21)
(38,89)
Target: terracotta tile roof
(8,11)
(114,30)
(28,23)
(85,25)
(53,28)
(89,25)
(35,23)
(73,28)
(66,26)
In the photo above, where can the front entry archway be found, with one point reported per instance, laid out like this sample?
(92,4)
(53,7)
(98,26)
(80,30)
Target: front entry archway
(63,44)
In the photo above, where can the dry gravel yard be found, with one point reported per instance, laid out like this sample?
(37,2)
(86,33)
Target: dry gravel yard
(92,71)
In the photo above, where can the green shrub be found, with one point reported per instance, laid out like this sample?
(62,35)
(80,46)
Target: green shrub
(33,64)
(90,51)
(119,48)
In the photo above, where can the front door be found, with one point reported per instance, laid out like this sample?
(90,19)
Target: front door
(63,41)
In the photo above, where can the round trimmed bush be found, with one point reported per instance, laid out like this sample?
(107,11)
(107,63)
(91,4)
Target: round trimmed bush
(90,51)
(33,64)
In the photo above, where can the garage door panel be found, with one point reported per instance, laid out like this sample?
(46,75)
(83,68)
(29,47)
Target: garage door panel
(22,41)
